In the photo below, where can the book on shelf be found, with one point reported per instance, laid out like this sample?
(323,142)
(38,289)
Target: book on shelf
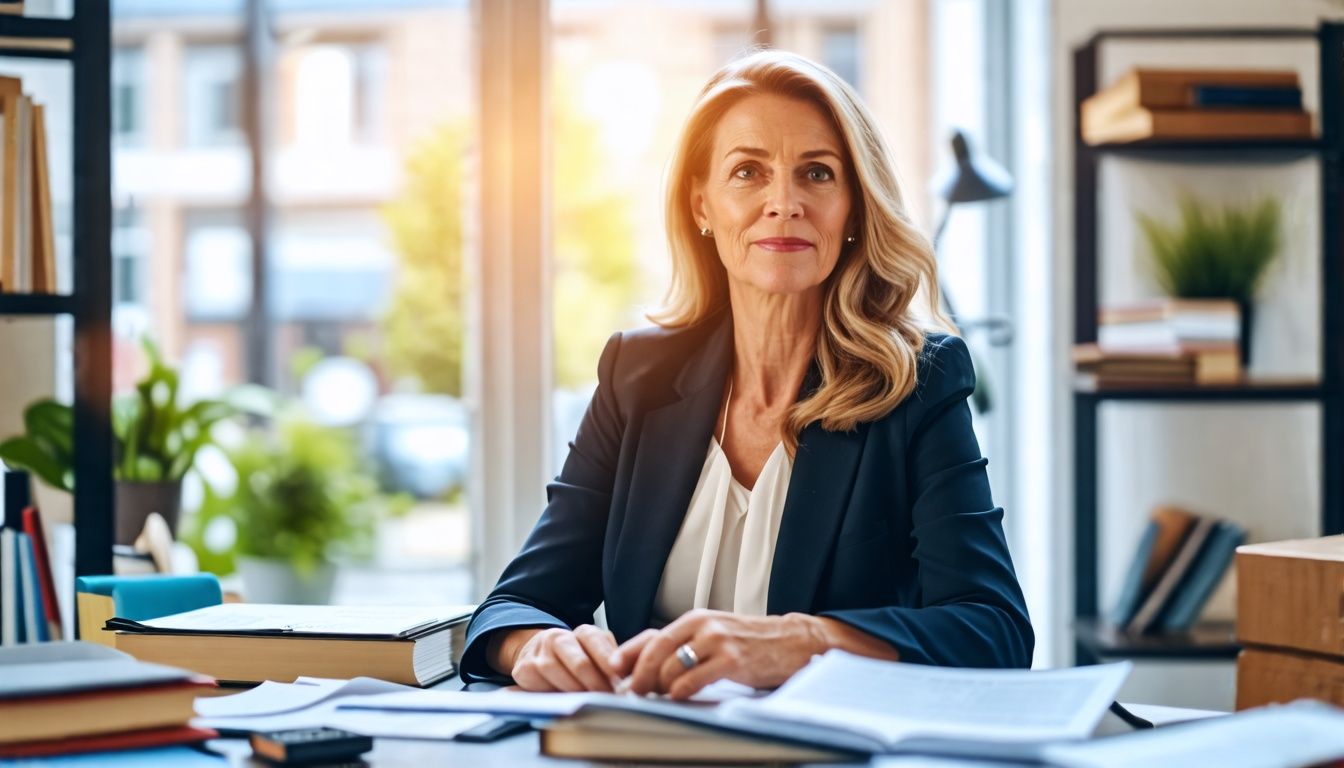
(11,7)
(1179,562)
(64,698)
(843,707)
(1155,88)
(1148,103)
(1215,364)
(250,643)
(1141,124)
(27,240)
(1168,323)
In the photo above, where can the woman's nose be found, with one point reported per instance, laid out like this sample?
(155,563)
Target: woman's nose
(783,201)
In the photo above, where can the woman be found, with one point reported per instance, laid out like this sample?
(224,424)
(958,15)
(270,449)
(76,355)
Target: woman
(786,465)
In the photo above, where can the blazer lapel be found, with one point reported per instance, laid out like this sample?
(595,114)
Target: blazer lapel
(819,490)
(671,452)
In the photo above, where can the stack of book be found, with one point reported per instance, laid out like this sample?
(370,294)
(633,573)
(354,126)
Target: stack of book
(251,642)
(29,610)
(27,240)
(1180,560)
(1290,621)
(68,698)
(1195,104)
(1168,341)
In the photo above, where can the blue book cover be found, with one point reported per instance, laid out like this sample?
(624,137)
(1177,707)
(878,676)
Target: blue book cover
(34,616)
(1131,592)
(1278,97)
(176,757)
(16,575)
(1199,584)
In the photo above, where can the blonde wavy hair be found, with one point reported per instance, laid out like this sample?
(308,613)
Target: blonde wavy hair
(870,340)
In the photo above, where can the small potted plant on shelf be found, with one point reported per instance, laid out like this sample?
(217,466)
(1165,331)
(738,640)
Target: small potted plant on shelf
(1212,254)
(299,504)
(155,441)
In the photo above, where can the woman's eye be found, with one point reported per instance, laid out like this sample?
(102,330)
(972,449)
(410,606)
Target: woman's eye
(820,173)
(744,172)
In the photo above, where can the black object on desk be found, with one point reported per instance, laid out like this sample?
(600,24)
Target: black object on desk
(494,729)
(310,745)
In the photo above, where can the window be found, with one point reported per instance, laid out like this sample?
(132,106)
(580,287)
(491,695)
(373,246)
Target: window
(212,91)
(842,51)
(367,182)
(339,93)
(128,95)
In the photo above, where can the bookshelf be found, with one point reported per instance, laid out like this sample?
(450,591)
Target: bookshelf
(84,41)
(1093,638)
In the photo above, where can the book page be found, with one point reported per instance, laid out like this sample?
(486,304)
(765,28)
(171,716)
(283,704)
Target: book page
(1302,733)
(372,621)
(892,701)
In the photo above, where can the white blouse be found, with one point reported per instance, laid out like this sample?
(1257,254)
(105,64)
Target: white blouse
(722,556)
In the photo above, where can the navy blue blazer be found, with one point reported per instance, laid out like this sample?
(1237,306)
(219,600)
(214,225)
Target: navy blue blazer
(889,527)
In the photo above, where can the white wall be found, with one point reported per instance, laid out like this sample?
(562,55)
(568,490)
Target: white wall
(1256,465)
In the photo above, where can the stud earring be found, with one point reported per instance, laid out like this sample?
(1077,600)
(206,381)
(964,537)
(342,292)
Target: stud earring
(851,239)
(704,232)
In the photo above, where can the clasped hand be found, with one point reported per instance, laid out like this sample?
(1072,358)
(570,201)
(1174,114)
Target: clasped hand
(759,651)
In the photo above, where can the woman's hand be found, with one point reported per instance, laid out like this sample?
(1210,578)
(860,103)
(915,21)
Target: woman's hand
(759,651)
(556,659)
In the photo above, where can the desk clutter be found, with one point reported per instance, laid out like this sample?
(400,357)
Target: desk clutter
(1290,620)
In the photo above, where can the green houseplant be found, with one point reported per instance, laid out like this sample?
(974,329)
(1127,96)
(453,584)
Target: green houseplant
(1216,254)
(155,441)
(300,503)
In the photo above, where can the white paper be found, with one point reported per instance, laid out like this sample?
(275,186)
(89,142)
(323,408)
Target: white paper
(310,702)
(272,698)
(492,702)
(383,724)
(891,701)
(318,619)
(516,702)
(1304,733)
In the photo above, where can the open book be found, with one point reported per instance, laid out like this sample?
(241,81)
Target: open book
(841,707)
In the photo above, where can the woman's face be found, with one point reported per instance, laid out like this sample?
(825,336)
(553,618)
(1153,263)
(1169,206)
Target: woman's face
(776,194)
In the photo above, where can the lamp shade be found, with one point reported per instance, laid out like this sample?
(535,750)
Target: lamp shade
(974,178)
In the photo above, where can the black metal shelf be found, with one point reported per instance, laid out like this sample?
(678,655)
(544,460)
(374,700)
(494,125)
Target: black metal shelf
(85,40)
(36,304)
(37,38)
(1092,638)
(1260,391)
(1209,641)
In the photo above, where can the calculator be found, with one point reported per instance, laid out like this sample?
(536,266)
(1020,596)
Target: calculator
(310,745)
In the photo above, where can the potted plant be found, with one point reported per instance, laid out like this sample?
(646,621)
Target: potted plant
(301,503)
(1216,254)
(155,442)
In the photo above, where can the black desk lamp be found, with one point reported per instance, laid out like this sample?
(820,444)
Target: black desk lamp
(974,179)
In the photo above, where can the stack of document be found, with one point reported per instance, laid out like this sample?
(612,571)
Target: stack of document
(244,642)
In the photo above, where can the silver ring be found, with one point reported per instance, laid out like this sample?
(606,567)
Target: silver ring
(686,655)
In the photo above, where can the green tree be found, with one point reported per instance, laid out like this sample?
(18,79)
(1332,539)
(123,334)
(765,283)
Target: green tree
(594,272)
(423,329)
(595,276)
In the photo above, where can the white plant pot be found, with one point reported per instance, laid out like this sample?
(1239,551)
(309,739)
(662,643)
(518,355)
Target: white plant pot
(268,580)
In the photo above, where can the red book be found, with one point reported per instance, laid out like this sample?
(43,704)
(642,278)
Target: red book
(154,737)
(32,525)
